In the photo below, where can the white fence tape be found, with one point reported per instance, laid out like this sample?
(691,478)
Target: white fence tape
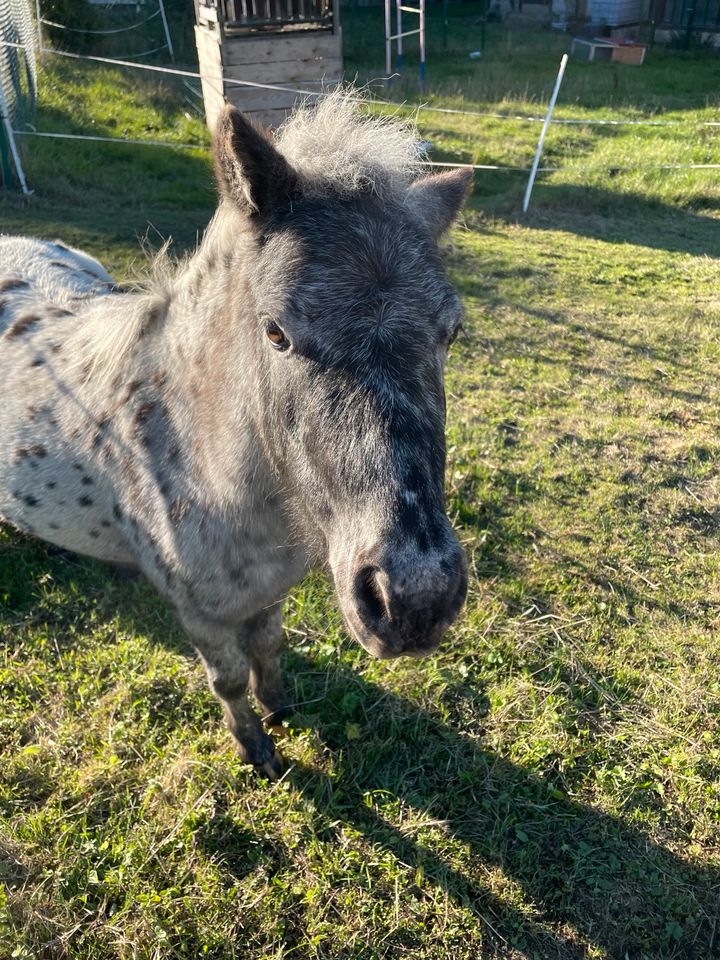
(560,121)
(190,74)
(51,135)
(599,168)
(425,107)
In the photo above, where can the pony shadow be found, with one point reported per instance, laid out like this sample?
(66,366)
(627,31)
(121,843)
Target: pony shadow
(595,881)
(237,850)
(97,589)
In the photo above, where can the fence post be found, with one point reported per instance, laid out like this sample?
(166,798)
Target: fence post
(5,170)
(398,22)
(38,17)
(690,20)
(167,31)
(541,141)
(422,44)
(5,121)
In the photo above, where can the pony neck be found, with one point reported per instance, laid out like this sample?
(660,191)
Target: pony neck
(208,358)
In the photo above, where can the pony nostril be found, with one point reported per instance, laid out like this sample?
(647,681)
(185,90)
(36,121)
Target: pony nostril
(406,607)
(369,596)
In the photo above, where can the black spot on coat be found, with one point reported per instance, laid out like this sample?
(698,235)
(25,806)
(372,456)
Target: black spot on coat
(12,283)
(22,325)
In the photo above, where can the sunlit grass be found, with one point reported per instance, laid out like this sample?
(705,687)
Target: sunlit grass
(549,784)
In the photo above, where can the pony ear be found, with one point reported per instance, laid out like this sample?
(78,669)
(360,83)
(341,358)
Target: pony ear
(250,172)
(436,200)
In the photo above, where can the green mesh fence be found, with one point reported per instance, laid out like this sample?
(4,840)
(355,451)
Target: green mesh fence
(18,76)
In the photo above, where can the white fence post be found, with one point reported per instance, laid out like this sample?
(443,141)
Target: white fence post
(546,124)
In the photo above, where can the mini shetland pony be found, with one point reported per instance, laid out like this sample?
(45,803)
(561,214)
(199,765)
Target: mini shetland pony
(277,403)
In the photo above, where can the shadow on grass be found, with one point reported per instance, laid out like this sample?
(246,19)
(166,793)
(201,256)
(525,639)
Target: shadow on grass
(580,869)
(45,584)
(594,350)
(620,216)
(589,880)
(54,213)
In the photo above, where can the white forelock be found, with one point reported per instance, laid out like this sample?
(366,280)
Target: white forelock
(335,143)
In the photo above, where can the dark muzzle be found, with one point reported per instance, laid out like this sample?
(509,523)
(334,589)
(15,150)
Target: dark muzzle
(403,605)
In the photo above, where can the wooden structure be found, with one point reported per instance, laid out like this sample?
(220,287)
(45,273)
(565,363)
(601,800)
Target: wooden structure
(603,48)
(591,50)
(291,44)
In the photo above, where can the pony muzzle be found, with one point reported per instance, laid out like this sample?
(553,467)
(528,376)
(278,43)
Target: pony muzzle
(395,608)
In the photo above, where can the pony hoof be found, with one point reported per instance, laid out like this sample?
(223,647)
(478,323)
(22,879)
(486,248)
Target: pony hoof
(273,768)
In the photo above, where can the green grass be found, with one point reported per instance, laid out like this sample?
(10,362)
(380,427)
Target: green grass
(548,786)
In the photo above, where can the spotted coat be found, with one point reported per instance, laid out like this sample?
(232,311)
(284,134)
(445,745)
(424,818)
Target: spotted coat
(273,403)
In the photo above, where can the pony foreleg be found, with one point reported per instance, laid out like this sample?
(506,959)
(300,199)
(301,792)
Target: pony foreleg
(228,670)
(263,641)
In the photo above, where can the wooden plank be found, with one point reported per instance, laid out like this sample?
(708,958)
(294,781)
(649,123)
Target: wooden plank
(206,34)
(251,99)
(207,47)
(211,74)
(309,45)
(208,42)
(213,102)
(270,118)
(631,54)
(212,81)
(207,14)
(209,61)
(288,71)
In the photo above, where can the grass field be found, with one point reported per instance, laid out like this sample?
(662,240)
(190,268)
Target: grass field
(548,786)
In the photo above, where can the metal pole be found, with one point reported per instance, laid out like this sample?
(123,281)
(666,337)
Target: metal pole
(388,44)
(11,141)
(652,15)
(422,44)
(4,159)
(167,31)
(398,20)
(446,4)
(546,124)
(38,17)
(688,30)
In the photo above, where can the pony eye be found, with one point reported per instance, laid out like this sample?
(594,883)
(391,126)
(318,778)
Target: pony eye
(277,337)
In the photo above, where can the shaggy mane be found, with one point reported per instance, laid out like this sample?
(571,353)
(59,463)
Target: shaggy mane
(333,146)
(332,143)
